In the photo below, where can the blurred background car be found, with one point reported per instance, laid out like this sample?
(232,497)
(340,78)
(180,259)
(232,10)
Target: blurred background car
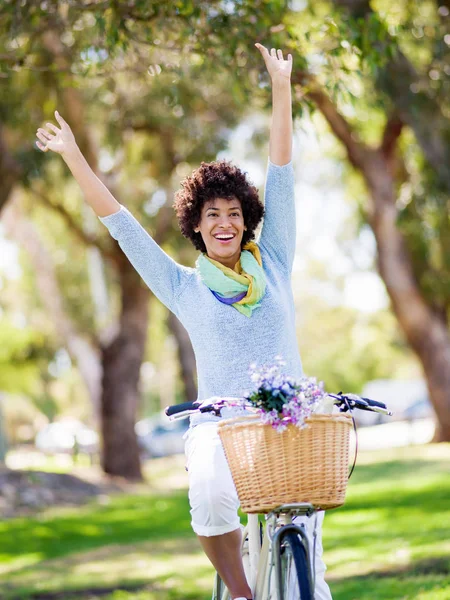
(68,437)
(407,399)
(157,436)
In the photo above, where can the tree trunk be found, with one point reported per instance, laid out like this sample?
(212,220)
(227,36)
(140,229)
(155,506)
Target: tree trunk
(425,330)
(122,360)
(9,171)
(435,352)
(186,357)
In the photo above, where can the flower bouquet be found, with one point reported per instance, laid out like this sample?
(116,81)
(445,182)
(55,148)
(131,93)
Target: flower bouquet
(287,452)
(282,400)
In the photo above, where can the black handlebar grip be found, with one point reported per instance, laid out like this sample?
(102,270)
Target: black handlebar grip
(177,408)
(374,403)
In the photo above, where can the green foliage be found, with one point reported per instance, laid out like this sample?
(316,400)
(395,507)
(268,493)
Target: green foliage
(162,84)
(23,352)
(345,348)
(265,400)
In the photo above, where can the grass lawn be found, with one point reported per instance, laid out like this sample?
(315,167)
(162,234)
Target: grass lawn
(390,541)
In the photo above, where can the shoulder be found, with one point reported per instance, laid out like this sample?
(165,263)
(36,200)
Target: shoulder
(275,266)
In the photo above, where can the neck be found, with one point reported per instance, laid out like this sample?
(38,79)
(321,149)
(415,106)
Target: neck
(227,262)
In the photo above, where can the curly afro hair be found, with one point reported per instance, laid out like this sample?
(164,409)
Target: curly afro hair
(218,179)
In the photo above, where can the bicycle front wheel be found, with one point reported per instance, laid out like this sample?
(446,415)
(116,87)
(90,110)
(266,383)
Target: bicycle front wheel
(294,573)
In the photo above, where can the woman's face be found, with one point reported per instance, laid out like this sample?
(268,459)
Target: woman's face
(222,227)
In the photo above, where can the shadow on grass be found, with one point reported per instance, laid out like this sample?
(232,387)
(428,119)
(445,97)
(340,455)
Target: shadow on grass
(128,519)
(122,592)
(387,521)
(169,565)
(393,504)
(427,579)
(427,566)
(85,593)
(393,588)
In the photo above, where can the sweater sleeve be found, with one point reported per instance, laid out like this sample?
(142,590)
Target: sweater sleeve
(165,277)
(279,228)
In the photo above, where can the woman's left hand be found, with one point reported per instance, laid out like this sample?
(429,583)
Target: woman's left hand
(279,69)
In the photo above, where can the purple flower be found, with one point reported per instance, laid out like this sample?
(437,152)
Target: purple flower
(301,396)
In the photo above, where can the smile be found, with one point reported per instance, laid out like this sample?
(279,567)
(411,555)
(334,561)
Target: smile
(224,238)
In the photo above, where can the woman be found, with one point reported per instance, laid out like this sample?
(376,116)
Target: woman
(237,304)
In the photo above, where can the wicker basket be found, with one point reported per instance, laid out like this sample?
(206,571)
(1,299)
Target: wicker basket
(298,465)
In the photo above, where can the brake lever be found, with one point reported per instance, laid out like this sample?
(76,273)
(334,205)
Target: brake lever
(349,401)
(357,401)
(211,407)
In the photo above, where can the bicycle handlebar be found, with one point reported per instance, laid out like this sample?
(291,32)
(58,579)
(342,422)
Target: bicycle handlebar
(345,402)
(349,401)
(177,408)
(374,403)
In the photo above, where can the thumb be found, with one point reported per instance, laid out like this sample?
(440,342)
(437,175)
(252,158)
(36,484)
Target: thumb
(262,49)
(60,119)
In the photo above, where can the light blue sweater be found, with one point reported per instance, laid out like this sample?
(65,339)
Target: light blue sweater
(226,342)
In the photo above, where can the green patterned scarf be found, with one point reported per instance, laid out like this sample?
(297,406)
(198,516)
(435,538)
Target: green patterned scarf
(244,287)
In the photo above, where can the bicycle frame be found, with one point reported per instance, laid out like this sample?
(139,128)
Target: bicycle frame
(262,564)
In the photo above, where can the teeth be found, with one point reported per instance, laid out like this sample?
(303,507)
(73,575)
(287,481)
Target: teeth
(224,237)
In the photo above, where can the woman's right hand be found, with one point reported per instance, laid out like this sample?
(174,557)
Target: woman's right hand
(60,140)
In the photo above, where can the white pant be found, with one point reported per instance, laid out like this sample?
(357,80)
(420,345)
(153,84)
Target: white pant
(214,501)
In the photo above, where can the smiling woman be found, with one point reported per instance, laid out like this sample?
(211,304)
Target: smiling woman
(236,304)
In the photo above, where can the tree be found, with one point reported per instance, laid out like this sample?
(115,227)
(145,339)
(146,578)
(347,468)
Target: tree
(416,276)
(380,87)
(157,148)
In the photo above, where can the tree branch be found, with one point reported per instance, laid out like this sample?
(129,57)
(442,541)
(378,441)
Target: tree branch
(388,146)
(83,236)
(357,151)
(9,171)
(392,131)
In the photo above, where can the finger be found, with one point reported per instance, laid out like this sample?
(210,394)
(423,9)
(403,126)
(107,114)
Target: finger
(264,53)
(53,127)
(41,147)
(60,120)
(262,49)
(45,133)
(273,53)
(42,137)
(290,57)
(280,54)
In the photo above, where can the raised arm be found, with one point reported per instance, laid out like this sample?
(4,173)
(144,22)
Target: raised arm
(278,232)
(62,141)
(280,144)
(165,277)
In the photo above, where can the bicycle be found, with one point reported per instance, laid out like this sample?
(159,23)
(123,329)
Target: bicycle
(277,558)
